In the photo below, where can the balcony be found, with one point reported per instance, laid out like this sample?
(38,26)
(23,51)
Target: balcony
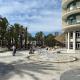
(71,27)
(68,13)
(65,3)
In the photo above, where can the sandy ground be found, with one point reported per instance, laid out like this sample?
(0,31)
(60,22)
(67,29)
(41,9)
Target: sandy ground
(19,67)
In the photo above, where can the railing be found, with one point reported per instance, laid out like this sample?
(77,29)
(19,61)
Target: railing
(63,1)
(71,26)
(68,10)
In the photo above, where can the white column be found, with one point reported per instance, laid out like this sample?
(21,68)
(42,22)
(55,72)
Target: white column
(68,40)
(74,40)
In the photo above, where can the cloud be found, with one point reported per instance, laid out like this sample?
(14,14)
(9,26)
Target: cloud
(38,15)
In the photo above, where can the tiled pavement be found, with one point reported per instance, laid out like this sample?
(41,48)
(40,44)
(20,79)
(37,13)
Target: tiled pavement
(20,68)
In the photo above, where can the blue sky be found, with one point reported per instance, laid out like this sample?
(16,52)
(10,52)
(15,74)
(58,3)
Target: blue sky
(37,15)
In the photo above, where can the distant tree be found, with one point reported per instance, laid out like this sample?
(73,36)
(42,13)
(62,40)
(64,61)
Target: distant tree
(39,36)
(49,40)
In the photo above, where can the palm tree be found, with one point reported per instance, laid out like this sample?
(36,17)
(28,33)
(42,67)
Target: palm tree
(16,33)
(3,29)
(12,34)
(26,37)
(19,34)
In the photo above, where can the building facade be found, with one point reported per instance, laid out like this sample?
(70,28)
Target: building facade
(71,24)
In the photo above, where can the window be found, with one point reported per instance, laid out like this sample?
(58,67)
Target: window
(78,18)
(71,45)
(77,34)
(78,45)
(71,35)
(71,20)
(78,4)
(72,5)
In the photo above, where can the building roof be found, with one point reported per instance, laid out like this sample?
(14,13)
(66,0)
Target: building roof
(60,38)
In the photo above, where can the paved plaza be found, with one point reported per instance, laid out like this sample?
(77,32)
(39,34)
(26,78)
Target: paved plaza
(21,67)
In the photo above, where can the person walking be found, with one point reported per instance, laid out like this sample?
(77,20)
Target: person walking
(14,50)
(31,50)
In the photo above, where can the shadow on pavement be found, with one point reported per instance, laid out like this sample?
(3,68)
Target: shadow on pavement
(5,68)
(21,68)
(73,74)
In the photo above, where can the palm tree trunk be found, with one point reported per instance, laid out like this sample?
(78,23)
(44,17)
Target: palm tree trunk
(26,38)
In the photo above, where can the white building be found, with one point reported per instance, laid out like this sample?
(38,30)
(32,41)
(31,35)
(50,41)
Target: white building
(71,24)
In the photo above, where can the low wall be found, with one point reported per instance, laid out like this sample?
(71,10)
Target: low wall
(3,49)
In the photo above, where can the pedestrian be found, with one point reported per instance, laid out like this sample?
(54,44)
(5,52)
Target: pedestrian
(31,50)
(33,47)
(47,48)
(14,50)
